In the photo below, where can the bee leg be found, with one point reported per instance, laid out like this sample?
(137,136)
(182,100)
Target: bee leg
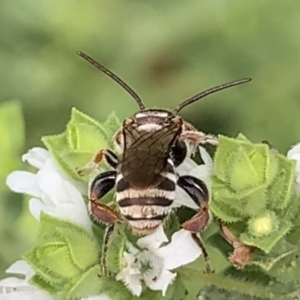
(198,137)
(242,254)
(108,231)
(102,213)
(106,154)
(198,191)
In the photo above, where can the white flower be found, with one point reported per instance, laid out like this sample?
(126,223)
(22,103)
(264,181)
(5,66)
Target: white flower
(53,192)
(13,288)
(294,153)
(203,172)
(152,264)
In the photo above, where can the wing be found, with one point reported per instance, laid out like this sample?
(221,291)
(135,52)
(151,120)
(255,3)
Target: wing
(145,157)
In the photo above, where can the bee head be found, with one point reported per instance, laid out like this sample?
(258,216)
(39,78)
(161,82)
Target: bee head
(150,120)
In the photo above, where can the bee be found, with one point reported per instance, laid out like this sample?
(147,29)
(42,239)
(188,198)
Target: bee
(153,142)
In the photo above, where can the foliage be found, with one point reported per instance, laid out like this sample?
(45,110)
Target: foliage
(254,182)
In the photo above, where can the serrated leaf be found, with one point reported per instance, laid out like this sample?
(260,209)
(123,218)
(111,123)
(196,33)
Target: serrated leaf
(41,283)
(51,228)
(56,258)
(87,284)
(252,204)
(221,196)
(85,138)
(64,251)
(227,283)
(267,243)
(78,244)
(287,269)
(224,212)
(281,190)
(112,124)
(242,174)
(78,117)
(241,137)
(31,257)
(115,250)
(225,153)
(58,147)
(77,146)
(269,261)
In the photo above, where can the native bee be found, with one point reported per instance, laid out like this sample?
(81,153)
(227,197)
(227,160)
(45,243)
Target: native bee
(153,143)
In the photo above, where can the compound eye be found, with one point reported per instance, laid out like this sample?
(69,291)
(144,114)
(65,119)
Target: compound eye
(178,152)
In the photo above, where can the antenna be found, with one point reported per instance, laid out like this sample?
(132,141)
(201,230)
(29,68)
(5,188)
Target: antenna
(209,92)
(114,77)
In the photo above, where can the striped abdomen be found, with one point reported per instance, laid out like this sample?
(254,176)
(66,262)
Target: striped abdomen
(145,209)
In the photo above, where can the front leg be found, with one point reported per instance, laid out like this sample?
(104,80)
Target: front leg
(106,154)
(102,213)
(198,191)
(196,137)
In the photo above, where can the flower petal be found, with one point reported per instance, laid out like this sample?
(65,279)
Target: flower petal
(162,282)
(206,157)
(58,189)
(132,282)
(187,165)
(36,206)
(21,267)
(153,240)
(293,151)
(36,157)
(51,183)
(11,283)
(203,173)
(13,288)
(24,182)
(180,251)
(74,214)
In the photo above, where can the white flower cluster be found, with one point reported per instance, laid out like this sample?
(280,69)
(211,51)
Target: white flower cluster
(152,264)
(55,194)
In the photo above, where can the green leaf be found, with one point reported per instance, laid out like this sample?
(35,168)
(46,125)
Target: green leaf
(227,283)
(77,146)
(267,243)
(272,260)
(58,147)
(282,190)
(176,291)
(65,258)
(111,126)
(87,284)
(115,249)
(242,174)
(78,117)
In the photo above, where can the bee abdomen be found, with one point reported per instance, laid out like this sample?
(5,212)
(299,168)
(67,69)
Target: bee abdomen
(145,201)
(145,209)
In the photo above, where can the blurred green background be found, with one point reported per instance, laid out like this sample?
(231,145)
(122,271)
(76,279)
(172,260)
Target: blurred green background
(166,50)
